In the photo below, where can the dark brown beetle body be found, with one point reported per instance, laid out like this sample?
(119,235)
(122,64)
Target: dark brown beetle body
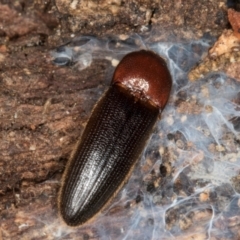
(115,136)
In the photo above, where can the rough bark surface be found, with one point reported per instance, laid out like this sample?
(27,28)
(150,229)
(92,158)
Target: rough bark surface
(43,108)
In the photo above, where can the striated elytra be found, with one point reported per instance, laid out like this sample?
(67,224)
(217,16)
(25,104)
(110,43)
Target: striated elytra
(115,136)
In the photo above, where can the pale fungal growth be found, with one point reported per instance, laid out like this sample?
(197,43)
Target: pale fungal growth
(62,56)
(81,51)
(186,184)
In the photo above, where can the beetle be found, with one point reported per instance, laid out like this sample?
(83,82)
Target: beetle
(115,136)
